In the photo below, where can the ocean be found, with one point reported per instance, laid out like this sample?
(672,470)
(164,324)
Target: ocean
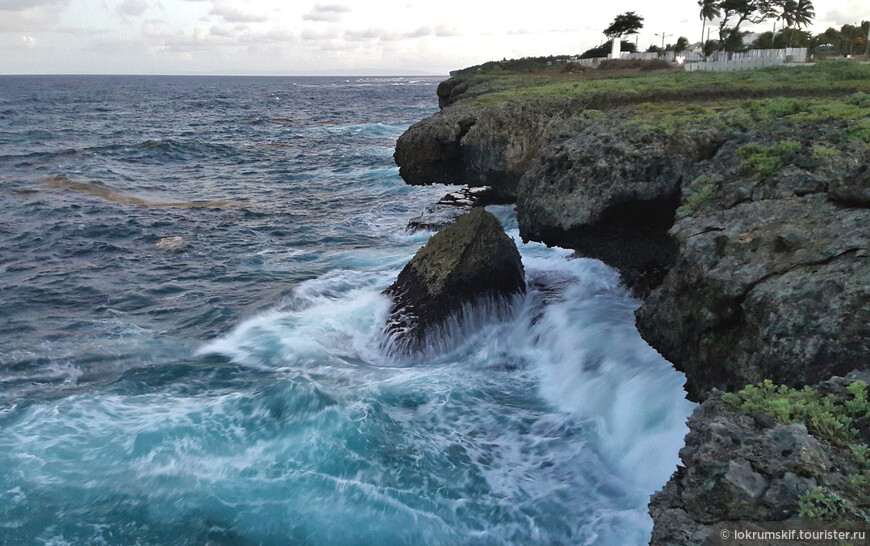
(232,387)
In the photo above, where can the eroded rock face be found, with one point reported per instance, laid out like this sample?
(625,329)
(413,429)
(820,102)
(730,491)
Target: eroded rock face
(750,243)
(472,145)
(469,261)
(610,192)
(773,289)
(740,466)
(443,213)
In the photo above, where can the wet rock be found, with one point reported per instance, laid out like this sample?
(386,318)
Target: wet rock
(172,244)
(448,208)
(471,261)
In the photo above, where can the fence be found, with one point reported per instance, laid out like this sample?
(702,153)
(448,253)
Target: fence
(786,55)
(687,55)
(734,65)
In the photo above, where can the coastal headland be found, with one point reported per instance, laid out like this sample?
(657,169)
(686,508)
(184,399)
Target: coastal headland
(737,207)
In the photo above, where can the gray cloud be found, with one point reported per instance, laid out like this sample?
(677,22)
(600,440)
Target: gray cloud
(222,31)
(522,31)
(231,14)
(329,13)
(20,5)
(445,31)
(315,35)
(371,34)
(35,16)
(419,33)
(846,15)
(440,31)
(133,8)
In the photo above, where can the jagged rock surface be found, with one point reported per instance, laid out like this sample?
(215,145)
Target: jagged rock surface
(448,208)
(475,145)
(469,261)
(740,466)
(610,192)
(773,275)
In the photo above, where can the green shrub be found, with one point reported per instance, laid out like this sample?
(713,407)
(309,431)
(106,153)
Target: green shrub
(767,160)
(860,99)
(822,152)
(829,416)
(702,190)
(819,503)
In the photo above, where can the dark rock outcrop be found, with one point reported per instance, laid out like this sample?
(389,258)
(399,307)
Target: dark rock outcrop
(749,245)
(470,261)
(610,192)
(746,228)
(773,275)
(448,208)
(473,145)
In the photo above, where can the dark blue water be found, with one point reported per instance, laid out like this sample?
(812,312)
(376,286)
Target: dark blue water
(237,390)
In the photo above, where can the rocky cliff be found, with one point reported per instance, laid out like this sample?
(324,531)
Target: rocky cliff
(743,223)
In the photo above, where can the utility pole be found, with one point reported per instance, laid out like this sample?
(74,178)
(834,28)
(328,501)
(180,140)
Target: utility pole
(663,35)
(867,46)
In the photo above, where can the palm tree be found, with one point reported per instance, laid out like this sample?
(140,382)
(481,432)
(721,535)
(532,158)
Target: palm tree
(803,13)
(797,13)
(787,15)
(709,11)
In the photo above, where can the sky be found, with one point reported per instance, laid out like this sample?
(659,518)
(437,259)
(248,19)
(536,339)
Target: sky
(332,37)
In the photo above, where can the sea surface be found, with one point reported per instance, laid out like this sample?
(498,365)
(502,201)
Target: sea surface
(238,390)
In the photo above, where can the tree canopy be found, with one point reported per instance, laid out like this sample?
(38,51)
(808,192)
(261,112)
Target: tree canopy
(624,24)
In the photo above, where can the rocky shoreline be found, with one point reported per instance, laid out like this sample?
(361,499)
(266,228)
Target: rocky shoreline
(743,224)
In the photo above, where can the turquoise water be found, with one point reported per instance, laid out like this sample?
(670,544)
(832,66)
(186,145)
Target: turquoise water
(240,391)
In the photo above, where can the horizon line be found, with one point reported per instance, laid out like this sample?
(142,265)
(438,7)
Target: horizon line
(266,75)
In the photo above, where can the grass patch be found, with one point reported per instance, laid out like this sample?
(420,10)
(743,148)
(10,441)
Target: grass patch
(823,152)
(702,192)
(670,117)
(493,88)
(859,132)
(834,419)
(767,160)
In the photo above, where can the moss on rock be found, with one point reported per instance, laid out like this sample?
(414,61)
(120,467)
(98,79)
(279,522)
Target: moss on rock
(467,261)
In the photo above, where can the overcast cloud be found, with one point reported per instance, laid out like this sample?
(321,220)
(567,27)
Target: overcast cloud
(363,37)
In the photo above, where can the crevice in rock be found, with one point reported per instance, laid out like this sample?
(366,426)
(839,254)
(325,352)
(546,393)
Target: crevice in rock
(632,237)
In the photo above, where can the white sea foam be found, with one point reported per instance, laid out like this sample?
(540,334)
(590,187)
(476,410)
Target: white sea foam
(552,424)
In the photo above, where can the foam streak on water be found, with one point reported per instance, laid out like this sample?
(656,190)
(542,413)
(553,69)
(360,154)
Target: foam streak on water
(242,392)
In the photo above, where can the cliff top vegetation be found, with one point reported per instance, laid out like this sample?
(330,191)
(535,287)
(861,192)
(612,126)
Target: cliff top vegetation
(498,82)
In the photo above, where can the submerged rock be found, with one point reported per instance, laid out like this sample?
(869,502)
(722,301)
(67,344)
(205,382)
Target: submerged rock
(172,244)
(469,261)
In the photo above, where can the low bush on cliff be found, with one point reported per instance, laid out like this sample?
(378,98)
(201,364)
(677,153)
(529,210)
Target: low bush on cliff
(767,160)
(859,132)
(701,192)
(837,420)
(828,416)
(819,503)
